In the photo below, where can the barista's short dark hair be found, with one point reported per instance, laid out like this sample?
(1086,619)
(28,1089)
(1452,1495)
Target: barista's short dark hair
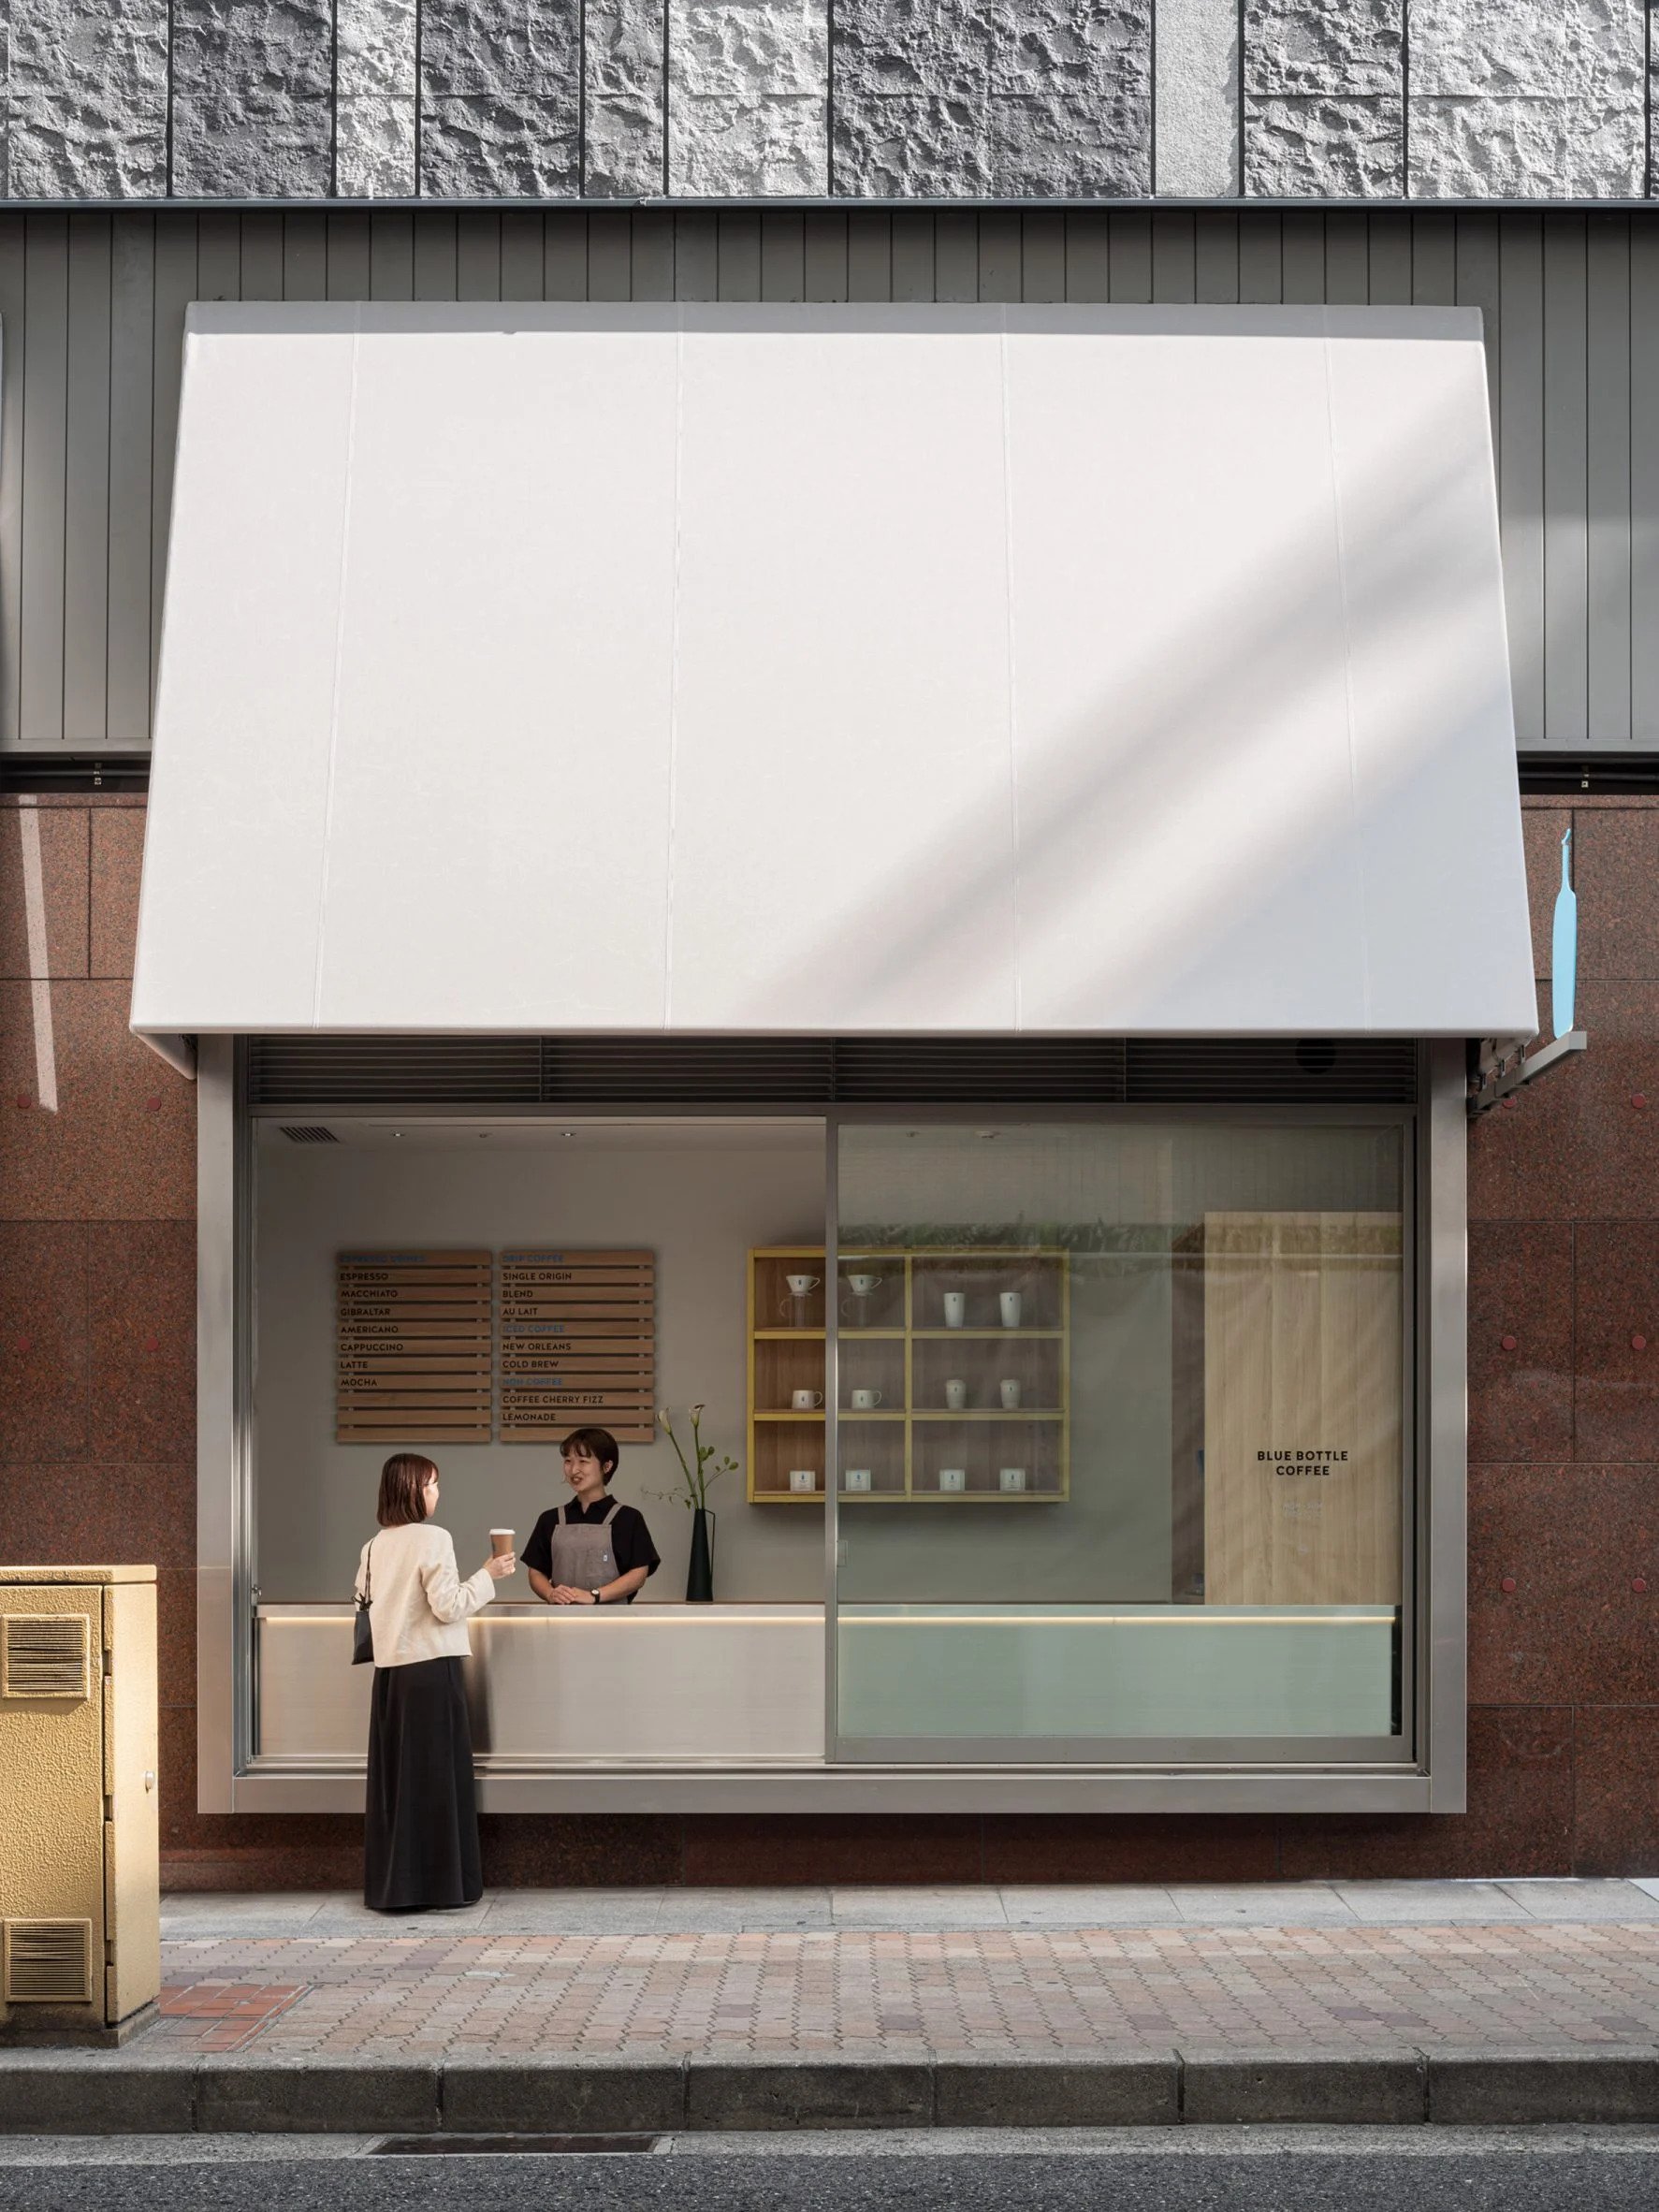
(597,1444)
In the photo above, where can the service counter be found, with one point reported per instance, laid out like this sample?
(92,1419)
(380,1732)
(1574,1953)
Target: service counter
(640,1685)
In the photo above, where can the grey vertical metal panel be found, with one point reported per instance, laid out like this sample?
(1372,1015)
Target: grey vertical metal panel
(1001,275)
(350,254)
(175,287)
(652,256)
(1389,282)
(1042,255)
(1088,257)
(13,326)
(564,256)
(739,256)
(1566,478)
(1520,466)
(305,255)
(89,405)
(1216,259)
(1607,476)
(86,487)
(610,257)
(824,253)
(523,254)
(1644,483)
(1261,258)
(1174,258)
(478,254)
(869,255)
(45,358)
(783,256)
(131,431)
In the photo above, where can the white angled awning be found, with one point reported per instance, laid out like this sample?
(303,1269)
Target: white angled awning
(833,670)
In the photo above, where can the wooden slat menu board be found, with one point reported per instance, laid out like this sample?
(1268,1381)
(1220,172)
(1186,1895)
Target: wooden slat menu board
(578,1345)
(413,1356)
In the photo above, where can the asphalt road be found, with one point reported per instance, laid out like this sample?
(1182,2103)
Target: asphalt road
(1268,2171)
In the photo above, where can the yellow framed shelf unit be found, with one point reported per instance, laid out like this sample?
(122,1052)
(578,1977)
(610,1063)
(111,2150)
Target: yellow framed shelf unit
(955,1375)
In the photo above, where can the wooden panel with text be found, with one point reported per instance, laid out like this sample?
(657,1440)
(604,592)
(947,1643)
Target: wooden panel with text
(414,1349)
(578,1345)
(1303,1407)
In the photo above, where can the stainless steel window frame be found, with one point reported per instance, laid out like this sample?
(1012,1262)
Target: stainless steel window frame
(229,1778)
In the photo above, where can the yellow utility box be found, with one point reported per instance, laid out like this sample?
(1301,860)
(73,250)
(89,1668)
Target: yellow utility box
(80,1838)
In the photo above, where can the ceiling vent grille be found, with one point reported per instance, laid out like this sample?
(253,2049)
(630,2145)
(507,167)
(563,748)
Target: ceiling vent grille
(309,1132)
(48,1961)
(287,1071)
(46,1655)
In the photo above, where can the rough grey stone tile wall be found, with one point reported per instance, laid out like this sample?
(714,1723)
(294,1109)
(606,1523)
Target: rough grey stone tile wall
(378,87)
(86,85)
(955,99)
(1536,98)
(1195,98)
(253,98)
(624,64)
(1324,99)
(499,98)
(748,97)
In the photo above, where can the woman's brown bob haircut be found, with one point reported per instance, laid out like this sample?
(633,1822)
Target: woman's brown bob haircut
(598,1444)
(402,1481)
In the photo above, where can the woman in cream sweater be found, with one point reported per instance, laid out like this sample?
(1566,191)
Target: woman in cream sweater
(421,1832)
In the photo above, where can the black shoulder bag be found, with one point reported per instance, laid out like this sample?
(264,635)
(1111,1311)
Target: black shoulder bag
(362,1634)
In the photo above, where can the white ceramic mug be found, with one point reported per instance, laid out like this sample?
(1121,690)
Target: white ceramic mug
(952,1479)
(1013,1305)
(806,1401)
(803,1481)
(856,1479)
(955,1396)
(866,1401)
(1007,1389)
(861,1285)
(1011,1477)
(955,1308)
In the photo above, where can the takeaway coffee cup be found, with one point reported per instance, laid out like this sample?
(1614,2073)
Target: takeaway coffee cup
(1010,1477)
(1007,1389)
(1013,1305)
(500,1542)
(806,1401)
(952,1479)
(866,1401)
(856,1479)
(956,1395)
(803,1481)
(955,1308)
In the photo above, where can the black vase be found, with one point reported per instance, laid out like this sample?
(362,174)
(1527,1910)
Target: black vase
(699,1574)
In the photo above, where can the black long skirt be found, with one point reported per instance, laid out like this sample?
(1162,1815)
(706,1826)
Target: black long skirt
(420,1839)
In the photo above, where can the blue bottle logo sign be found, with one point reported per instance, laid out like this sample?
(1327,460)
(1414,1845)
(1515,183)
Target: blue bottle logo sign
(1564,955)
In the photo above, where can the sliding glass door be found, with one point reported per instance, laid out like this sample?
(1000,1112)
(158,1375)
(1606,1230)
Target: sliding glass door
(1121,1440)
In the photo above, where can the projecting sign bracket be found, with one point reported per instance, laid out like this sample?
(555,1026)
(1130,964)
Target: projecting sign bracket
(1500,1075)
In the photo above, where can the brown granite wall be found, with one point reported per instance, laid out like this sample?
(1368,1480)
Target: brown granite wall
(96,1432)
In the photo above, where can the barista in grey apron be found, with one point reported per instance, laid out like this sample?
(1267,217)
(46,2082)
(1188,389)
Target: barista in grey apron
(592,1551)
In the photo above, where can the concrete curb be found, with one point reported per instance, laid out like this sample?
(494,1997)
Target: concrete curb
(63,2093)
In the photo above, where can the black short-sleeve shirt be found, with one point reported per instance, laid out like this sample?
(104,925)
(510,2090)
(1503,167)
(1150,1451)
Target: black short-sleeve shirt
(631,1540)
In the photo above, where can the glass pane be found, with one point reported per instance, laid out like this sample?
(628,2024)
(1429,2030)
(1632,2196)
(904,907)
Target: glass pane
(1119,1436)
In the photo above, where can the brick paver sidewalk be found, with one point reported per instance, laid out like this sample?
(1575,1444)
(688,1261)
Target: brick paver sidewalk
(392,1990)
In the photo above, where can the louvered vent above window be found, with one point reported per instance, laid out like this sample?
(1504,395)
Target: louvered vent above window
(48,1961)
(45,1656)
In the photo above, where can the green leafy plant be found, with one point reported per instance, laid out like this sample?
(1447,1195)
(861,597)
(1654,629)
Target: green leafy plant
(698,1476)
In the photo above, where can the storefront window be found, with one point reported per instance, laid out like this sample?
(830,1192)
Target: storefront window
(1121,1440)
